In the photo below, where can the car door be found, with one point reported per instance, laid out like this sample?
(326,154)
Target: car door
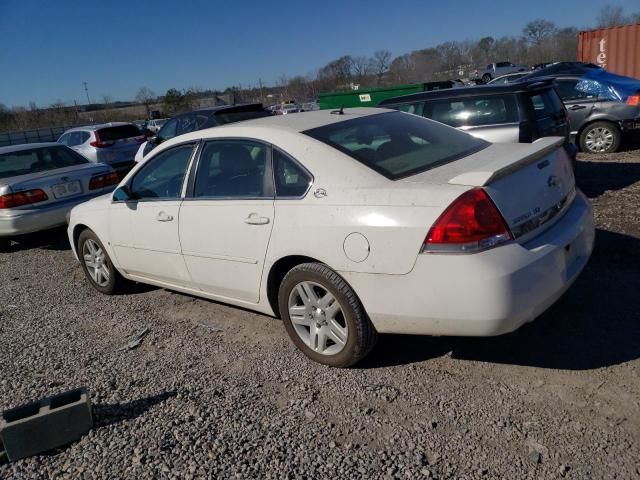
(144,227)
(227,217)
(579,104)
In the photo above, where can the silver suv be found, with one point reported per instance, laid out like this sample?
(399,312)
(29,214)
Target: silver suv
(115,143)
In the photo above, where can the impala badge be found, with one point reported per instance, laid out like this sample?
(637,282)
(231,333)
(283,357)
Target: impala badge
(320,192)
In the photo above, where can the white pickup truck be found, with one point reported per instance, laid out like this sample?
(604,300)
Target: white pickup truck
(495,70)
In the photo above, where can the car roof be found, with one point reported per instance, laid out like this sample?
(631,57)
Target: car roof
(93,128)
(28,146)
(519,86)
(297,123)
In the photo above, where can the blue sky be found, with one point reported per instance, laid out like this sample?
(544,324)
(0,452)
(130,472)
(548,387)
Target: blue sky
(51,47)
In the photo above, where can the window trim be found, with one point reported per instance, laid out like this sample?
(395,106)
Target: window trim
(194,143)
(296,162)
(268,172)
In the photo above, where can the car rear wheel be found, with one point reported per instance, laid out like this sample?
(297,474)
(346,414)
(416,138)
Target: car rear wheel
(600,137)
(324,317)
(486,78)
(97,265)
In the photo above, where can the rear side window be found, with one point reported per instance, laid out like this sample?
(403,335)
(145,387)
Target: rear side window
(473,111)
(546,104)
(191,123)
(568,91)
(291,179)
(38,160)
(119,132)
(397,145)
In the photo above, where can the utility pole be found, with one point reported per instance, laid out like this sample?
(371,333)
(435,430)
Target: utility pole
(86,90)
(261,97)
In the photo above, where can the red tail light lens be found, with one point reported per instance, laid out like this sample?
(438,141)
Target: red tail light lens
(633,100)
(19,199)
(99,143)
(470,224)
(102,181)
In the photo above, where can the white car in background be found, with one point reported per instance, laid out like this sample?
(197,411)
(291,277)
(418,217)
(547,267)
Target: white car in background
(347,225)
(155,124)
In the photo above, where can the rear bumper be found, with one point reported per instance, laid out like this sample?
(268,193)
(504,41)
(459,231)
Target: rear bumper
(483,294)
(628,125)
(19,222)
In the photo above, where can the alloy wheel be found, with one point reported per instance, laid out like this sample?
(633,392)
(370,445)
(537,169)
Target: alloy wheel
(317,318)
(96,262)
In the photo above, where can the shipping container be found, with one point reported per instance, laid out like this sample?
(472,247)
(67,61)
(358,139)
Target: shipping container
(372,97)
(616,49)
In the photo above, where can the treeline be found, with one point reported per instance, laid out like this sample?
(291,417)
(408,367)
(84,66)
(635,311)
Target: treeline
(540,41)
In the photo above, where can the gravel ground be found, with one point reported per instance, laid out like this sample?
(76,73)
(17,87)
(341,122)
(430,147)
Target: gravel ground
(218,392)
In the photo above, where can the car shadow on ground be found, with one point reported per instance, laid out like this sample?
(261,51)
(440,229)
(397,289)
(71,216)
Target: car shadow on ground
(595,178)
(54,239)
(108,414)
(595,324)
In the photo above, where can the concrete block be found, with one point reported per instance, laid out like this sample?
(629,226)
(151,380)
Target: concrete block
(43,425)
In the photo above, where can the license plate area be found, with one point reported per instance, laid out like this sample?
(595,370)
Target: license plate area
(67,189)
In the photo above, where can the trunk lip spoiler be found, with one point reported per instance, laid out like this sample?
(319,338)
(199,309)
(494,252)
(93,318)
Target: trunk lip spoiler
(498,168)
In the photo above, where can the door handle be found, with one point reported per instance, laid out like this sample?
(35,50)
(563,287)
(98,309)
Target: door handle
(164,217)
(577,107)
(255,219)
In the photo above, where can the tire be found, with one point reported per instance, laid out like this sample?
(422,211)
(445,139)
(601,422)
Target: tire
(89,244)
(343,334)
(600,137)
(486,78)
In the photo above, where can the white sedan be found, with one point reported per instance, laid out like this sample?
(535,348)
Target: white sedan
(347,224)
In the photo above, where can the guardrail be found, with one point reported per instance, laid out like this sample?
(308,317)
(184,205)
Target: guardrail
(37,135)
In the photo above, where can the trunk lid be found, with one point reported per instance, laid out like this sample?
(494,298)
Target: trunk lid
(60,184)
(531,184)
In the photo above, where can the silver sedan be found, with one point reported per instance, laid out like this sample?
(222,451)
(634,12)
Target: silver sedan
(41,182)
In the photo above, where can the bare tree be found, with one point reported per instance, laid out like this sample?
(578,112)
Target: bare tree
(146,96)
(380,63)
(361,66)
(612,16)
(539,30)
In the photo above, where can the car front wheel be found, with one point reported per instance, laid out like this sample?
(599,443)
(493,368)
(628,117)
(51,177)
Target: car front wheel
(323,316)
(97,265)
(600,137)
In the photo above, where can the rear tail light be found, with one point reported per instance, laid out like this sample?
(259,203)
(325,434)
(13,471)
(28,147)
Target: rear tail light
(19,199)
(633,100)
(99,143)
(470,224)
(102,181)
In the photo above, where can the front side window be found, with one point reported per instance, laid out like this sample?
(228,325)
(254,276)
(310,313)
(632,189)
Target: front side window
(397,145)
(161,178)
(474,111)
(291,179)
(233,169)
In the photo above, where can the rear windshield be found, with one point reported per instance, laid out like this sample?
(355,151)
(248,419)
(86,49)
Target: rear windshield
(398,144)
(110,134)
(231,117)
(36,160)
(473,111)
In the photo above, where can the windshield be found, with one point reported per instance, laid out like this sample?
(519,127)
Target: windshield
(35,160)
(398,144)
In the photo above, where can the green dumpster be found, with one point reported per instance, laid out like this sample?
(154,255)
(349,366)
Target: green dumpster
(373,96)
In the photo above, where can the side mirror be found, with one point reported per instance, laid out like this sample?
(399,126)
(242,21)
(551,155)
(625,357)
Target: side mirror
(122,194)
